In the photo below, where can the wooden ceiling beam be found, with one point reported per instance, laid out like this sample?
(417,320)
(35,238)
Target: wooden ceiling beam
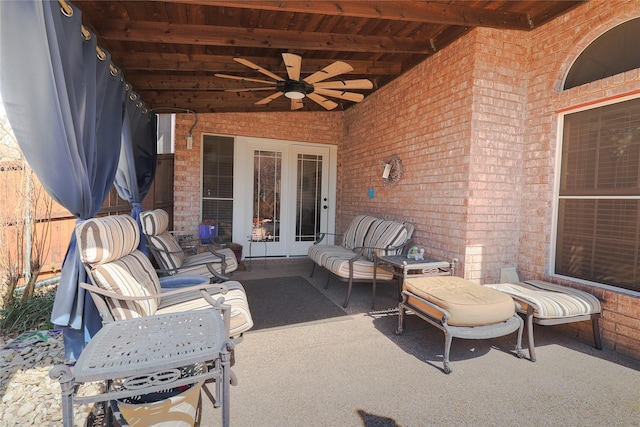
(434,12)
(153,96)
(204,97)
(163,32)
(233,108)
(226,64)
(188,83)
(166,105)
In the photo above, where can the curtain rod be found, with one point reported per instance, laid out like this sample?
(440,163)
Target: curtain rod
(67,11)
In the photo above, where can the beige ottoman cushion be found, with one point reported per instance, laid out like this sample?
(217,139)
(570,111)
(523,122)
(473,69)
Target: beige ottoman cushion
(468,303)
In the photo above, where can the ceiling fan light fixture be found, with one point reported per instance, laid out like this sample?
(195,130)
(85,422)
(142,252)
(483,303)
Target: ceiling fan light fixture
(294,94)
(294,89)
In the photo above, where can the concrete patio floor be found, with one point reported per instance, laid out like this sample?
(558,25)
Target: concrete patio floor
(353,370)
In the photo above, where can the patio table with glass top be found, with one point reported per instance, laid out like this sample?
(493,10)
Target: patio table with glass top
(148,353)
(403,267)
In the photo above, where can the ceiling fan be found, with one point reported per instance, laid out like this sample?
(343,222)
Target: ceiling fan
(296,89)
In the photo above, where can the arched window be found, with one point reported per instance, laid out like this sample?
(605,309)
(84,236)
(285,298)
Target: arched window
(598,199)
(614,52)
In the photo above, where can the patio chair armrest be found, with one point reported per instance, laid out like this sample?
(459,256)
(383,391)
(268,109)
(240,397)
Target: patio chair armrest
(359,251)
(118,296)
(101,305)
(223,257)
(212,250)
(185,251)
(168,272)
(225,309)
(384,250)
(191,241)
(321,236)
(219,277)
(203,287)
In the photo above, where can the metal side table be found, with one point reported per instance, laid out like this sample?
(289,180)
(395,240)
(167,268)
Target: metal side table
(148,351)
(402,267)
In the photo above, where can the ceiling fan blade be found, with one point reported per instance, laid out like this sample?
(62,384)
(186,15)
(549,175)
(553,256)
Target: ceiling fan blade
(296,104)
(345,84)
(258,68)
(227,76)
(269,98)
(293,63)
(250,89)
(329,105)
(329,71)
(349,96)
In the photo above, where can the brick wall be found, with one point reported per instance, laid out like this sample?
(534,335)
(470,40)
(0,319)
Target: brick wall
(456,121)
(495,181)
(475,127)
(424,117)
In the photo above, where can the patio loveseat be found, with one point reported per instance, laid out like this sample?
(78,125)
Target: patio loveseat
(353,261)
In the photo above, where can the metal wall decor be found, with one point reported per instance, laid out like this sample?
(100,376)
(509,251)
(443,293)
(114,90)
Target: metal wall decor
(392,171)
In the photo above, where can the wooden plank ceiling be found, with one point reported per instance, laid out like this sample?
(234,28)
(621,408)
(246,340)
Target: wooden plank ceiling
(170,50)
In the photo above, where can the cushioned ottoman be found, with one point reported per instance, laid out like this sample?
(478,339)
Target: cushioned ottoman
(546,303)
(461,309)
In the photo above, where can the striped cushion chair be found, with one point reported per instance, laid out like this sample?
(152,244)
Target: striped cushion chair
(352,238)
(125,285)
(383,237)
(173,259)
(546,303)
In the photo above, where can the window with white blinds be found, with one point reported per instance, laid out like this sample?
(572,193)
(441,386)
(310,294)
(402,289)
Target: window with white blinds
(217,184)
(598,237)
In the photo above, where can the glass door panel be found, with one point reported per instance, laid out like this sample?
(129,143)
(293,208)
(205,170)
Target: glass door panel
(267,175)
(308,197)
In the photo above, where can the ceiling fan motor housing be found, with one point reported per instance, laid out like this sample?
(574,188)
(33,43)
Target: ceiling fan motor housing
(290,87)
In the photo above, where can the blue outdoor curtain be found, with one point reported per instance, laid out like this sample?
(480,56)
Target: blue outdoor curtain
(138,155)
(66,108)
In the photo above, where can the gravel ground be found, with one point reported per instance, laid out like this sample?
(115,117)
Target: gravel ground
(29,396)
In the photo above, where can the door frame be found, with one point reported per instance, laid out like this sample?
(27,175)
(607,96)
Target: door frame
(243,190)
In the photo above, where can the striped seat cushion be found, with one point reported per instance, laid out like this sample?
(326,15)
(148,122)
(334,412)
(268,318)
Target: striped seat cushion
(154,222)
(168,249)
(105,239)
(468,303)
(196,264)
(236,297)
(357,231)
(321,253)
(551,301)
(131,275)
(154,226)
(108,245)
(171,255)
(362,268)
(383,234)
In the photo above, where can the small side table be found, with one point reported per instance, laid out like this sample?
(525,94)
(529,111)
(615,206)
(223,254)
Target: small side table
(254,239)
(150,350)
(402,267)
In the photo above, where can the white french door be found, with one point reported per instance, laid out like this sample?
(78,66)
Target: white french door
(284,197)
(311,196)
